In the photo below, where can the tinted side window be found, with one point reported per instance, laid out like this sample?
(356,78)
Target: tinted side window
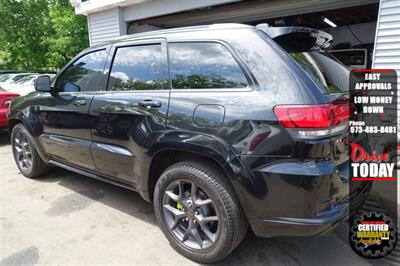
(204,65)
(325,70)
(136,68)
(83,74)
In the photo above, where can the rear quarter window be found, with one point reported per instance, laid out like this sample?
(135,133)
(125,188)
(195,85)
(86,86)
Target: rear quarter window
(325,70)
(204,65)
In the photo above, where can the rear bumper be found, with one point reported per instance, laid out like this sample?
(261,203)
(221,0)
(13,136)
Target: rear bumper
(287,197)
(286,226)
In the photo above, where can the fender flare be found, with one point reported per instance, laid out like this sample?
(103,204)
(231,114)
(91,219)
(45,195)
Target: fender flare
(21,117)
(207,146)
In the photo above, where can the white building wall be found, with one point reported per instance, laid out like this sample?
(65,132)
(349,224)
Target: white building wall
(106,18)
(387,52)
(387,38)
(155,8)
(105,25)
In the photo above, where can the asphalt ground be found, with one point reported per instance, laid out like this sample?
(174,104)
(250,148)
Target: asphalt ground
(68,219)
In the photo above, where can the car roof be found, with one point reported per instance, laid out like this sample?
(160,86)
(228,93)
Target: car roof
(167,32)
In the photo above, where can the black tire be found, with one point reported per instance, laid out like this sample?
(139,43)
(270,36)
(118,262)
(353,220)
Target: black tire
(232,222)
(37,166)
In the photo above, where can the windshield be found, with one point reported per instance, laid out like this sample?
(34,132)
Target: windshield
(325,70)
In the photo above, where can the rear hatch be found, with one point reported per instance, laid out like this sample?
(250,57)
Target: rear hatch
(322,128)
(307,48)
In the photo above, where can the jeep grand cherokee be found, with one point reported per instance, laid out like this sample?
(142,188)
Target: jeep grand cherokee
(220,126)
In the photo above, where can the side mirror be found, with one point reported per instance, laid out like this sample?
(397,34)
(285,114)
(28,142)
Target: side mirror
(43,84)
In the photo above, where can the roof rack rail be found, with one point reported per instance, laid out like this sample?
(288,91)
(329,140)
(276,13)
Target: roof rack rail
(176,30)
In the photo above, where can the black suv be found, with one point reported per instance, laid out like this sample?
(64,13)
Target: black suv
(220,126)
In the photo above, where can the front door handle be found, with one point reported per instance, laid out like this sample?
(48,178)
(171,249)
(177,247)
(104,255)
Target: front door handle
(80,102)
(150,104)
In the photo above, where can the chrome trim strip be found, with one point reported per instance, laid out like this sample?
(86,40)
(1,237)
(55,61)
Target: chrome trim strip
(112,149)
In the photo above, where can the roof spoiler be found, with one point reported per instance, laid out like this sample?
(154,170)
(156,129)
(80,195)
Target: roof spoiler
(298,39)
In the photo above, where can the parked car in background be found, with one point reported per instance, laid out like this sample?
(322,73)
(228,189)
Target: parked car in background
(5,100)
(12,77)
(22,83)
(13,85)
(22,86)
(7,96)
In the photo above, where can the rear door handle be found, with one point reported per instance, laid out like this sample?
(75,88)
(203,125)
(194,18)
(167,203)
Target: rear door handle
(80,102)
(149,104)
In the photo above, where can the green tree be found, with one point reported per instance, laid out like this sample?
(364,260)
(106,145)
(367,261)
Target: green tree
(69,35)
(23,30)
(39,34)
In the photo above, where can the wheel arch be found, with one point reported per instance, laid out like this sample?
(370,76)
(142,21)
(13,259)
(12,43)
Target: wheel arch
(12,122)
(166,157)
(18,118)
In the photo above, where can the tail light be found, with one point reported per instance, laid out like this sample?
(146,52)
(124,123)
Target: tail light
(314,120)
(7,103)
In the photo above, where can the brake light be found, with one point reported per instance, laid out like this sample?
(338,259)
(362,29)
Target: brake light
(312,116)
(304,116)
(314,119)
(6,103)
(6,99)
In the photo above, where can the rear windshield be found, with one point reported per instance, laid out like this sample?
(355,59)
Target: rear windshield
(325,70)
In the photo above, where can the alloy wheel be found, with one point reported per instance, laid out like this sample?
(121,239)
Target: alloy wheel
(190,215)
(23,152)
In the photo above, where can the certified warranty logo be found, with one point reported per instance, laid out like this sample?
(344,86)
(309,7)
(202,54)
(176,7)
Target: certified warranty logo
(373,235)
